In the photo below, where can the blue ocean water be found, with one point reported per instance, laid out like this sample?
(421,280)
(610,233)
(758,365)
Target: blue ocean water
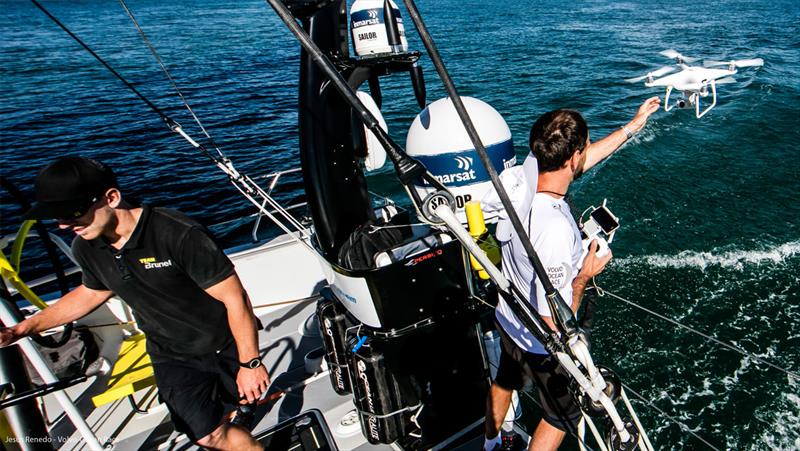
(710,208)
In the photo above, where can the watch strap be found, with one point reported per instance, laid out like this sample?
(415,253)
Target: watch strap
(253,363)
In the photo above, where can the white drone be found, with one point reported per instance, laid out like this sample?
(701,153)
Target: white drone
(693,81)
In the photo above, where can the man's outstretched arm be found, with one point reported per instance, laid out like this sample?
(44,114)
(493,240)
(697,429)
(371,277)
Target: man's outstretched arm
(599,150)
(73,305)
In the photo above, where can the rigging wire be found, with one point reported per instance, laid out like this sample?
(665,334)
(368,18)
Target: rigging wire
(170,123)
(250,186)
(671,418)
(729,346)
(169,76)
(242,182)
(111,69)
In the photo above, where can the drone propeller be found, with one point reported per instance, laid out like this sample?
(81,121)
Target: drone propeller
(725,81)
(654,74)
(670,53)
(736,63)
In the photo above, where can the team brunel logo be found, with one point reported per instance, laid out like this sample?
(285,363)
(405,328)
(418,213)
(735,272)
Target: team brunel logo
(151,263)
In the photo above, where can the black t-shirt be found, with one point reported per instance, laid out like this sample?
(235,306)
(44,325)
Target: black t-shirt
(161,273)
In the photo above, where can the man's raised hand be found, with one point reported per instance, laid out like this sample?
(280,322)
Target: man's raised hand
(649,107)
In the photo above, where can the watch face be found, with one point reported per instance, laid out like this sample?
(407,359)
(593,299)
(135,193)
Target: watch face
(252,364)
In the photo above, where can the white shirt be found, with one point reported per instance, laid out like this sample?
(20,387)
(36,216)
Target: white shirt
(557,241)
(519,183)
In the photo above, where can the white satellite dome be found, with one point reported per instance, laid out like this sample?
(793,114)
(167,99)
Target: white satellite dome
(437,138)
(369,30)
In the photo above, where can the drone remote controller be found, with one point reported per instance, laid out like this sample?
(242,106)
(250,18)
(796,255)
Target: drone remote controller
(602,247)
(601,224)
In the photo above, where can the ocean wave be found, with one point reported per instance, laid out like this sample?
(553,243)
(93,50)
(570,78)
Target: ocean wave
(729,259)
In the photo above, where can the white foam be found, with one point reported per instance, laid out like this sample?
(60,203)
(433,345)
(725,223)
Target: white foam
(784,432)
(735,259)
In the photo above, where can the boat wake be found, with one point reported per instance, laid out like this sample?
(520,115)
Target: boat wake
(728,259)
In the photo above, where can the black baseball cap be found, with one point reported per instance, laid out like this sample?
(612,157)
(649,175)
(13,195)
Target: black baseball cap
(68,187)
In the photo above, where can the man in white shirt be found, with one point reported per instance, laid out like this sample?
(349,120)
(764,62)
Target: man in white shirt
(559,141)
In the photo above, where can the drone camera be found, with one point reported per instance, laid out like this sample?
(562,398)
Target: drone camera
(681,103)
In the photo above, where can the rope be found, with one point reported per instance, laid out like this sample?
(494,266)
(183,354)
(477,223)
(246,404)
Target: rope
(97,326)
(729,346)
(375,228)
(668,416)
(293,301)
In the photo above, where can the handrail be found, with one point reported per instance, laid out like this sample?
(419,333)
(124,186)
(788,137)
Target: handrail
(39,364)
(275,178)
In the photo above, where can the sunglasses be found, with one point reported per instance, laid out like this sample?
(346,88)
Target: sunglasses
(79,211)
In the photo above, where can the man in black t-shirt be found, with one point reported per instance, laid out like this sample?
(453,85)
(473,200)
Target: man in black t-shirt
(200,328)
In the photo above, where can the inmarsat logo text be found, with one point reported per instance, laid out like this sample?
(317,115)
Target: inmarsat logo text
(151,263)
(466,173)
(372,19)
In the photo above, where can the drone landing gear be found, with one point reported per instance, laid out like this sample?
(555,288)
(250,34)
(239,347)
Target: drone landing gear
(667,107)
(681,103)
(693,99)
(713,100)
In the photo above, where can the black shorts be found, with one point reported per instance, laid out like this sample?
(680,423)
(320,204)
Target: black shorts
(552,381)
(197,389)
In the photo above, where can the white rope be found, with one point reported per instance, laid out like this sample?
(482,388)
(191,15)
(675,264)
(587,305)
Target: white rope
(595,432)
(644,440)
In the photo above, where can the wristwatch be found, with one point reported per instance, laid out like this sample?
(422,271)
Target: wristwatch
(628,133)
(253,363)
